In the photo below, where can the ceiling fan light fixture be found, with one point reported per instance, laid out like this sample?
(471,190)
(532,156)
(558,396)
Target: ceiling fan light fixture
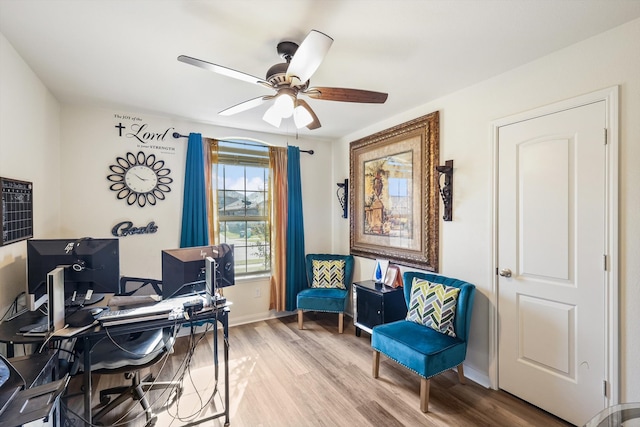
(302,117)
(272,116)
(284,104)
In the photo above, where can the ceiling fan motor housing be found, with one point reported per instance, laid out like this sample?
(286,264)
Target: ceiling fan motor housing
(276,75)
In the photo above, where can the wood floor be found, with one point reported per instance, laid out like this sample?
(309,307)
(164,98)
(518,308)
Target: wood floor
(281,376)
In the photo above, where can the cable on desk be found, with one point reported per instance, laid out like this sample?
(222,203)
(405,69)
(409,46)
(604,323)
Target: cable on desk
(47,339)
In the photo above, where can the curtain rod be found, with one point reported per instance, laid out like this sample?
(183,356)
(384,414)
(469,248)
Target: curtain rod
(177,135)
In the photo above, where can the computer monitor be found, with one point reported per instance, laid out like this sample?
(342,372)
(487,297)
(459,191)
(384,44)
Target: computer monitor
(184,270)
(91,264)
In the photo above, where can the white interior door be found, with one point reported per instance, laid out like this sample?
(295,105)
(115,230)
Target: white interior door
(551,258)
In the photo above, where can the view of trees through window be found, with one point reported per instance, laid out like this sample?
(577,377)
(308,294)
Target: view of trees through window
(243,211)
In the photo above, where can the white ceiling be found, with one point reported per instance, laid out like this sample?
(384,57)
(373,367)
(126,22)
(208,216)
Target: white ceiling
(121,54)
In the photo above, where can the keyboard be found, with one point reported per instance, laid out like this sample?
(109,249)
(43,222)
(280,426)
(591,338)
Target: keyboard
(137,314)
(171,308)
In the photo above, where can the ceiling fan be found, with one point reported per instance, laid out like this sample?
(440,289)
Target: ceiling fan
(290,79)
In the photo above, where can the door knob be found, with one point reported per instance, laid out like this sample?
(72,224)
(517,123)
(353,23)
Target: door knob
(505,272)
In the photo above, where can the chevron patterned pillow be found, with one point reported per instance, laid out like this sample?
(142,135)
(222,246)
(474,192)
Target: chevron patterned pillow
(419,290)
(328,274)
(433,305)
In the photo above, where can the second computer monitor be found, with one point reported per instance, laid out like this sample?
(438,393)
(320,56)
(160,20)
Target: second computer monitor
(184,270)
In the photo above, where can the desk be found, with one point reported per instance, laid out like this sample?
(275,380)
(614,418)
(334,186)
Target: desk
(92,336)
(9,334)
(37,369)
(10,331)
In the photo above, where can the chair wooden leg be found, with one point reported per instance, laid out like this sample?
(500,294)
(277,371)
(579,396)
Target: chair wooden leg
(461,377)
(376,363)
(424,394)
(299,319)
(340,322)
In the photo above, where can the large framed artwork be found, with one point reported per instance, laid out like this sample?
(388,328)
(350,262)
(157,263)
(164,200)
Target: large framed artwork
(394,194)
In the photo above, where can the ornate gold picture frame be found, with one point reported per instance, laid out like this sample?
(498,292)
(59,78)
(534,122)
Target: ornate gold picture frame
(394,194)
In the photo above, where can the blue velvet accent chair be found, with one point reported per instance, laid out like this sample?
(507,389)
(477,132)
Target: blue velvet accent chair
(421,349)
(331,300)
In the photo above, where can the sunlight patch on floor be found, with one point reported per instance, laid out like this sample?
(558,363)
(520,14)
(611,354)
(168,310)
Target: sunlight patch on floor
(196,403)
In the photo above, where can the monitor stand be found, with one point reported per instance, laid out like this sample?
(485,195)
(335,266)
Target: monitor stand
(81,300)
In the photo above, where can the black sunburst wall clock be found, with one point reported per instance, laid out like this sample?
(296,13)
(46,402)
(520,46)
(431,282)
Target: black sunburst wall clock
(139,179)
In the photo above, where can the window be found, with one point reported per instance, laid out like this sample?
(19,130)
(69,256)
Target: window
(243,204)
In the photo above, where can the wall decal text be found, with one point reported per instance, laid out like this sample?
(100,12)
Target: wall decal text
(126,228)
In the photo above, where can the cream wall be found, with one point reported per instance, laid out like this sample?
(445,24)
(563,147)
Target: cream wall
(29,151)
(90,144)
(609,59)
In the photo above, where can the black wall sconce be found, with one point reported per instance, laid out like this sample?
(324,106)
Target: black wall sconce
(343,194)
(446,189)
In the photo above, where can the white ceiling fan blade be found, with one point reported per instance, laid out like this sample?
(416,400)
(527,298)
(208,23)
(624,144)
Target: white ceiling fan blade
(224,70)
(309,55)
(246,105)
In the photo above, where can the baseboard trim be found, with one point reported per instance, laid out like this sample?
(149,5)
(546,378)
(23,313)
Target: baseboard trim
(243,320)
(477,376)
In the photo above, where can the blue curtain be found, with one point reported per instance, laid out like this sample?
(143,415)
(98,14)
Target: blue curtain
(295,274)
(195,228)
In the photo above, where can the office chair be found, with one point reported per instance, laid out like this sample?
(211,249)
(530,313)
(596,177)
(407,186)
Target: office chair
(129,355)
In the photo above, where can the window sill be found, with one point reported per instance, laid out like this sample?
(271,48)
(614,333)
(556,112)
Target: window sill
(252,278)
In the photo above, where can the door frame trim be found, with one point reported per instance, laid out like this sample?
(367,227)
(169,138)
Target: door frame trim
(612,327)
